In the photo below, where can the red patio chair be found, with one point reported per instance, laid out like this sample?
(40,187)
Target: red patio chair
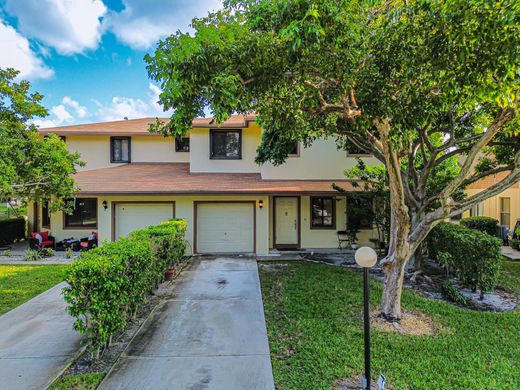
(46,241)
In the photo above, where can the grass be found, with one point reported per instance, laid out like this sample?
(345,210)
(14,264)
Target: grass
(313,313)
(78,382)
(19,283)
(510,276)
(7,213)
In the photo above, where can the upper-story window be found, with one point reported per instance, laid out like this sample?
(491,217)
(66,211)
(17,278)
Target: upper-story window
(295,149)
(120,149)
(182,144)
(225,144)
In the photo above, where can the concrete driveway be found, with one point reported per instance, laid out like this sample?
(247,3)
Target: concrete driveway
(210,335)
(36,341)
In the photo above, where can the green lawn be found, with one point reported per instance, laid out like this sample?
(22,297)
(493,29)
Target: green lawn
(313,314)
(19,283)
(78,382)
(510,276)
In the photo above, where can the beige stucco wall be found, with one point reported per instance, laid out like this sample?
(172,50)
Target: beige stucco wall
(491,206)
(322,160)
(184,208)
(95,150)
(156,149)
(321,238)
(199,152)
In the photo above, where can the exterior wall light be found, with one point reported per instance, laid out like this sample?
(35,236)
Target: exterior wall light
(260,204)
(105,205)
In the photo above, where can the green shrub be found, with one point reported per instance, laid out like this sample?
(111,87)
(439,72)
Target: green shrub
(47,252)
(483,224)
(475,256)
(514,243)
(108,284)
(31,255)
(452,293)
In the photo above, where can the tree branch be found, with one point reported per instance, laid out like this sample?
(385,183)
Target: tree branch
(504,116)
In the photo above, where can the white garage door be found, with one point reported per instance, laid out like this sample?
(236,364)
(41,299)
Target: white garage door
(225,227)
(133,216)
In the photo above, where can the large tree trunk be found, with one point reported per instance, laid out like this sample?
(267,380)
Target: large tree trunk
(391,309)
(394,267)
(418,259)
(399,248)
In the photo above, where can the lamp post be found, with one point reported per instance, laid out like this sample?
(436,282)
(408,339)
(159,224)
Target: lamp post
(366,258)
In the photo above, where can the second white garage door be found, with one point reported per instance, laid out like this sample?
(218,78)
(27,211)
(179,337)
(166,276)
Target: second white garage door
(133,216)
(225,227)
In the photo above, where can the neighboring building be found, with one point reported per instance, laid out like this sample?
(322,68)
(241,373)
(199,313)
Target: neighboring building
(133,179)
(505,207)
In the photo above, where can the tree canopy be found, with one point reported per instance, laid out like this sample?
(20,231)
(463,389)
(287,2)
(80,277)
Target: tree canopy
(33,168)
(418,84)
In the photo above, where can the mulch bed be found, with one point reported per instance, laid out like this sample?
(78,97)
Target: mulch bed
(411,323)
(428,284)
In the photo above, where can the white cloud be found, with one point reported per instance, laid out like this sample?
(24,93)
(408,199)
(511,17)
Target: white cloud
(63,114)
(16,53)
(121,107)
(132,108)
(70,111)
(69,26)
(142,23)
(80,110)
(44,123)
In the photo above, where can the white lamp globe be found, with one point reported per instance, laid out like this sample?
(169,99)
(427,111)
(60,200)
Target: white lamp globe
(366,257)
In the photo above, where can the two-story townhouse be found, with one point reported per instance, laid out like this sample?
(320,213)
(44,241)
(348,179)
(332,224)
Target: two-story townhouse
(505,207)
(133,178)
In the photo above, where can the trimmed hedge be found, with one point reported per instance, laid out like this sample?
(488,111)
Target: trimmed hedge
(486,225)
(108,284)
(473,255)
(12,230)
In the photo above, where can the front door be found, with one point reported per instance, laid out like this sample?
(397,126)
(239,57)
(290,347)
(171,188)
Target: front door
(286,222)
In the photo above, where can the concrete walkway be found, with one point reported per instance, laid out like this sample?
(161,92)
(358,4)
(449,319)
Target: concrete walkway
(210,335)
(36,341)
(510,253)
(17,251)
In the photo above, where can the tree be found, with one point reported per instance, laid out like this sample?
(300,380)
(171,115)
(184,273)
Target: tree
(374,182)
(33,168)
(414,83)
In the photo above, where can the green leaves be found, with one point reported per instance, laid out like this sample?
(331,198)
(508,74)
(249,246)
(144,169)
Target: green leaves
(108,284)
(474,255)
(33,168)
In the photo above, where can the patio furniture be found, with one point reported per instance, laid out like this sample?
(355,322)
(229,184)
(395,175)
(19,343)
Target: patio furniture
(40,240)
(89,242)
(343,239)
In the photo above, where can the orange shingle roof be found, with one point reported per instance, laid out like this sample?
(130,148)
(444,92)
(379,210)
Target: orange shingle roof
(129,127)
(175,178)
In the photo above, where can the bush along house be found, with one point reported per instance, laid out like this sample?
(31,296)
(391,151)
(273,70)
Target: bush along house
(134,179)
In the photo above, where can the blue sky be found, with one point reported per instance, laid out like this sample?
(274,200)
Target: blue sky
(86,56)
